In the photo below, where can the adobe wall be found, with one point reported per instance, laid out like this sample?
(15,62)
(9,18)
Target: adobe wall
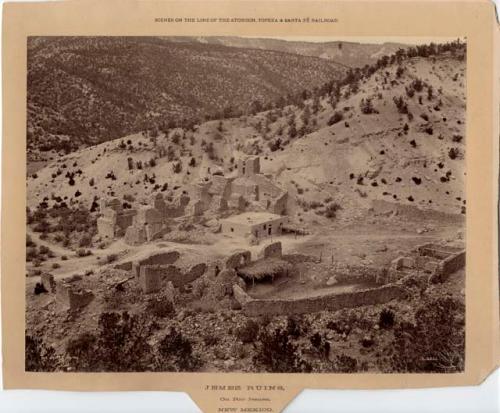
(273,250)
(448,266)
(105,227)
(161,258)
(332,302)
(125,219)
(220,186)
(236,228)
(71,297)
(267,189)
(48,282)
(135,235)
(246,189)
(276,228)
(150,278)
(155,274)
(238,259)
(278,205)
(236,201)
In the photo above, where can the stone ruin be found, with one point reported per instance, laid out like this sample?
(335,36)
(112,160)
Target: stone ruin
(216,196)
(70,294)
(153,271)
(438,261)
(249,187)
(115,219)
(139,225)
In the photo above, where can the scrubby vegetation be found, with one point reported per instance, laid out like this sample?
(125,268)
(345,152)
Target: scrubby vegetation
(69,226)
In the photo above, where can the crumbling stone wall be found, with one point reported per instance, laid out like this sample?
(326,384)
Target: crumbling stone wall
(248,166)
(278,204)
(221,186)
(403,262)
(48,282)
(238,259)
(332,302)
(150,278)
(135,235)
(123,221)
(72,297)
(106,227)
(155,274)
(197,271)
(448,266)
(273,250)
(161,258)
(240,295)
(236,201)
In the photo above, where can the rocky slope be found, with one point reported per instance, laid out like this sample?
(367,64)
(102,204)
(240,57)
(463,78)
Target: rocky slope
(86,90)
(396,135)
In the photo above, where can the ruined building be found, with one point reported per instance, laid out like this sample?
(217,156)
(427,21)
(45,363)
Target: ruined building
(151,221)
(249,187)
(114,220)
(142,224)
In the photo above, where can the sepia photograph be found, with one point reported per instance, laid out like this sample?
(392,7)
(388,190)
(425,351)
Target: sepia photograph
(245,204)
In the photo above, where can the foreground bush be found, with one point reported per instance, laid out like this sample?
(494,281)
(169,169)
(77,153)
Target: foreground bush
(39,356)
(275,353)
(435,342)
(120,344)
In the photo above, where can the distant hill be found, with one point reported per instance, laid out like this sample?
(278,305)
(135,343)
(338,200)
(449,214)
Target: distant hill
(351,54)
(394,132)
(86,90)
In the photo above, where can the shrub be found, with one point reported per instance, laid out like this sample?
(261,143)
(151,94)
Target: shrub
(248,332)
(39,356)
(366,106)
(83,252)
(177,167)
(386,318)
(176,353)
(345,364)
(160,307)
(336,117)
(454,153)
(210,340)
(295,326)
(56,265)
(401,105)
(39,289)
(111,258)
(29,242)
(85,240)
(120,344)
(435,342)
(276,354)
(331,210)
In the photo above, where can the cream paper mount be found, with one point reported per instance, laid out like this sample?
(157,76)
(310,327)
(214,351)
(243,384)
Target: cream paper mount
(244,199)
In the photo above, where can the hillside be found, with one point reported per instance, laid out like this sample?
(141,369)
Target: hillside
(396,135)
(351,54)
(83,91)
